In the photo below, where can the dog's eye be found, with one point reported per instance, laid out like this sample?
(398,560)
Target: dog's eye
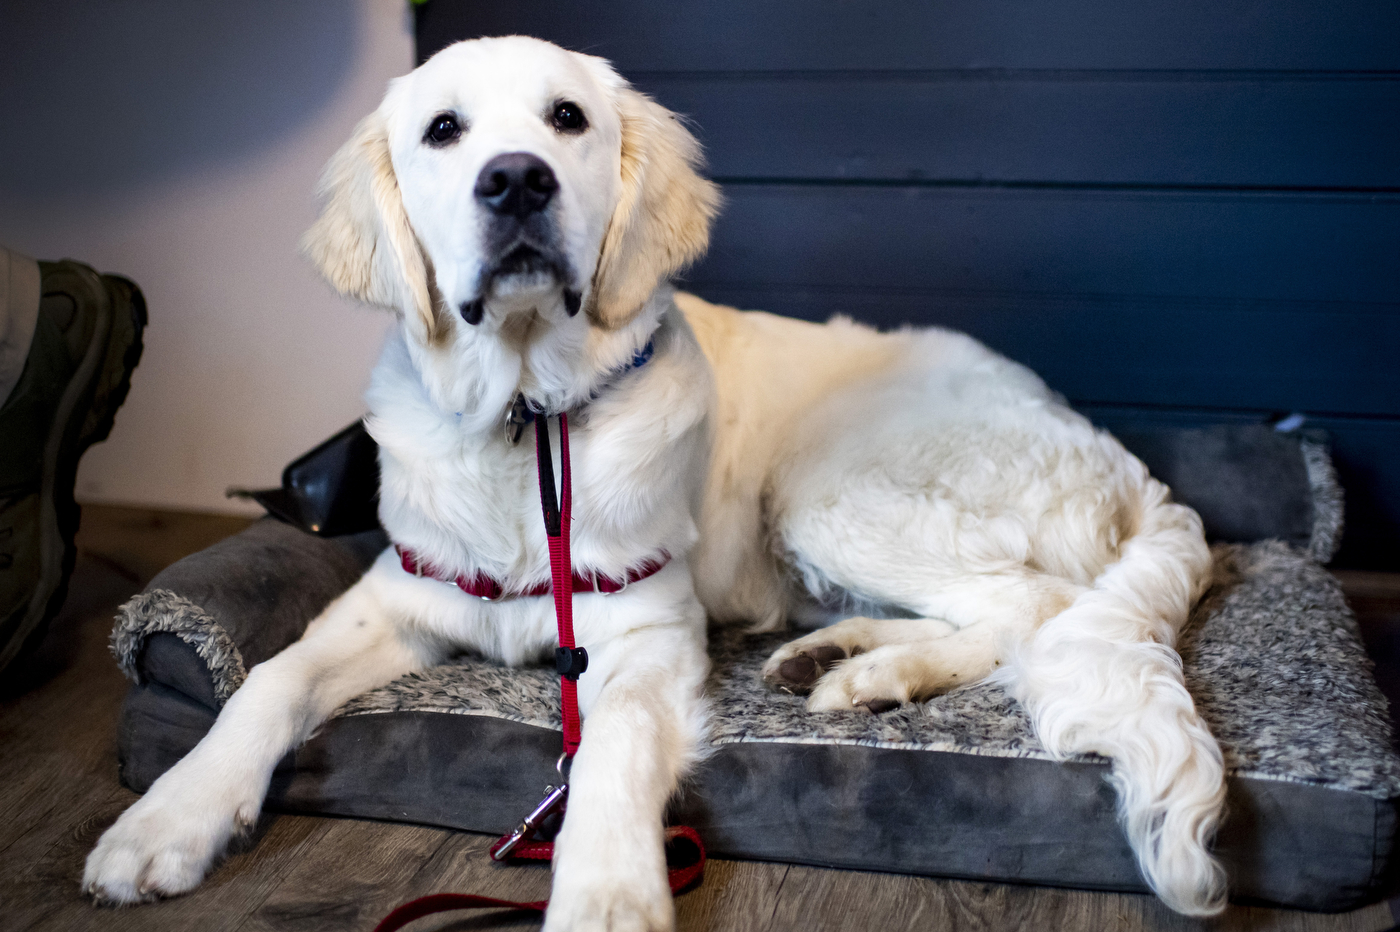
(568,117)
(443,129)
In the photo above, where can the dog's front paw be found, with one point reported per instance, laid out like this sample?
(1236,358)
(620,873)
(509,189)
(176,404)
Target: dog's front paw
(620,888)
(161,846)
(604,909)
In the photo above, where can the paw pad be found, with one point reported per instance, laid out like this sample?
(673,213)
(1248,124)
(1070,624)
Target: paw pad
(826,654)
(798,674)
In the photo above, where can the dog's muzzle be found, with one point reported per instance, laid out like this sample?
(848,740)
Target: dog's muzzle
(515,189)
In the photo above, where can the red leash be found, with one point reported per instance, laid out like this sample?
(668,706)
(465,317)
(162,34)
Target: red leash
(571,661)
(678,877)
(558,515)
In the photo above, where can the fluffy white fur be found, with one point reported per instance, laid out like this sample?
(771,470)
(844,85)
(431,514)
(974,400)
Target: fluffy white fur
(791,470)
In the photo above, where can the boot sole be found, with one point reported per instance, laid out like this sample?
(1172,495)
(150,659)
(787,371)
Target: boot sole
(105,373)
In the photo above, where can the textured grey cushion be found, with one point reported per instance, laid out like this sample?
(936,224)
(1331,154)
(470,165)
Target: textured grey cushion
(956,786)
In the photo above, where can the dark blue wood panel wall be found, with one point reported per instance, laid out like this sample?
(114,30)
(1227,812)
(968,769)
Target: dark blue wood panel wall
(1181,211)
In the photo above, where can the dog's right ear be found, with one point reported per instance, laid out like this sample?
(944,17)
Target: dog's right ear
(362,242)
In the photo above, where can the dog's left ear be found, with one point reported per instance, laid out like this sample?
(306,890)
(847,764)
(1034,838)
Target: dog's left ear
(362,242)
(662,219)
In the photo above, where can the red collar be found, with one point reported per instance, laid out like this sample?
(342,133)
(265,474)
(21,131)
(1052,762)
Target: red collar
(492,590)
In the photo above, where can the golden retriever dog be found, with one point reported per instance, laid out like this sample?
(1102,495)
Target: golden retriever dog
(932,510)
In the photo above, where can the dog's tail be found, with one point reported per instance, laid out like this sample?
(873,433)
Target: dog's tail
(1103,676)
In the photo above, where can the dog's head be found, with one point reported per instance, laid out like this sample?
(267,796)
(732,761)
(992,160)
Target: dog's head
(508,183)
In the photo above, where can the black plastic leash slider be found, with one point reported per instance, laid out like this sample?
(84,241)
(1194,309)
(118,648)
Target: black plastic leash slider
(570,661)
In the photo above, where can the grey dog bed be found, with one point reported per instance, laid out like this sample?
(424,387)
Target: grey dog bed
(957,786)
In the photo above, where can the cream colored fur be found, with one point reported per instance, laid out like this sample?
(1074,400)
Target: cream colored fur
(790,469)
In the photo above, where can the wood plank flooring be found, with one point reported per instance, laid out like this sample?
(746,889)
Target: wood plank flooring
(59,791)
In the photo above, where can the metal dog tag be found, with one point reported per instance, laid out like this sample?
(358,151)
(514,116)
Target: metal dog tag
(516,418)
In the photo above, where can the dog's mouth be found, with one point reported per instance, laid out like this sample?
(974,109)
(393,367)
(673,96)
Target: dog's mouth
(523,271)
(519,279)
(523,260)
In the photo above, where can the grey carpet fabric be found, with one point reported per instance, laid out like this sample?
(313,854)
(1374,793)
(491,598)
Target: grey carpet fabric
(1328,501)
(160,611)
(1280,674)
(470,685)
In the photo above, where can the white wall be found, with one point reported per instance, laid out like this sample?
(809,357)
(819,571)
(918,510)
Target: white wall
(179,145)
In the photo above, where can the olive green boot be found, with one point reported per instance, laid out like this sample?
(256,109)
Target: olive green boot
(86,341)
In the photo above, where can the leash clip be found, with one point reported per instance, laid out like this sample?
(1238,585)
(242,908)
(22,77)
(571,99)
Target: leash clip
(518,415)
(554,799)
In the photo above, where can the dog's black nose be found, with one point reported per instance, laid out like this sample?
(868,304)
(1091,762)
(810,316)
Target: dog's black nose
(516,184)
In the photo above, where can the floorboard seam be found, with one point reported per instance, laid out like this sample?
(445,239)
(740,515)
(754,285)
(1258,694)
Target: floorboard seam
(252,912)
(778,896)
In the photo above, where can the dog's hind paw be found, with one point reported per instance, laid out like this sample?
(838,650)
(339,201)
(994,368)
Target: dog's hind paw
(835,680)
(873,682)
(799,672)
(798,665)
(876,665)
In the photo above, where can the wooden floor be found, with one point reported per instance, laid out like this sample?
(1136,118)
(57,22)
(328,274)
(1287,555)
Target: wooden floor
(59,791)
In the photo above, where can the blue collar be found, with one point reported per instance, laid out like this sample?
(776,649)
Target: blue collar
(523,410)
(640,358)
